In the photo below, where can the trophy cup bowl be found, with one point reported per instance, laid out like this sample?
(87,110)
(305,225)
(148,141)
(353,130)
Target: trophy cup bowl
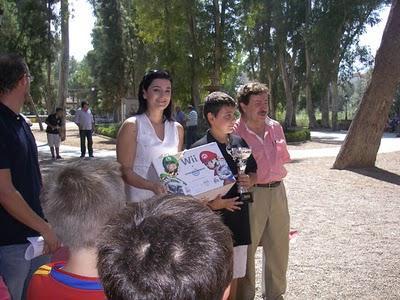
(240,156)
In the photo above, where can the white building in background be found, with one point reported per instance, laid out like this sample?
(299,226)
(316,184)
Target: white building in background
(129,106)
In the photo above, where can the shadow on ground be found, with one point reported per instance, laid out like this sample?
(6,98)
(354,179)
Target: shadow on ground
(379,174)
(327,140)
(107,142)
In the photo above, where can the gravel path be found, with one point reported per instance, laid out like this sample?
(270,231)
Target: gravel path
(348,245)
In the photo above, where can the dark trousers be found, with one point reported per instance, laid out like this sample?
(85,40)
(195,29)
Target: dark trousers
(191,136)
(86,134)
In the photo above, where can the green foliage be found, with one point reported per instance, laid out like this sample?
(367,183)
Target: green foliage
(297,135)
(25,30)
(110,130)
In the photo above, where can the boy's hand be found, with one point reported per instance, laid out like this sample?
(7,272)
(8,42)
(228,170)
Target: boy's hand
(159,189)
(244,181)
(51,243)
(230,204)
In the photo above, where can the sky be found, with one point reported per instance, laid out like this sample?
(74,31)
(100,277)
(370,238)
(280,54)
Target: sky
(82,22)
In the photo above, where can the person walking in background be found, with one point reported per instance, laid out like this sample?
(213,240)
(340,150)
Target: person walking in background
(54,123)
(269,214)
(84,120)
(147,135)
(21,214)
(191,126)
(180,116)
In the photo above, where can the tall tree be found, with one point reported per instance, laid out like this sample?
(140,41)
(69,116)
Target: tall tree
(108,59)
(345,21)
(361,145)
(64,57)
(312,122)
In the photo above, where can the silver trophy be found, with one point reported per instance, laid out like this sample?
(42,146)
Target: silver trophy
(240,156)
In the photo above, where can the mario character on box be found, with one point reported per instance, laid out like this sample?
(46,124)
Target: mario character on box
(218,164)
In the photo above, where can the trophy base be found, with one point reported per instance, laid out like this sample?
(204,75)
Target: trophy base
(246,197)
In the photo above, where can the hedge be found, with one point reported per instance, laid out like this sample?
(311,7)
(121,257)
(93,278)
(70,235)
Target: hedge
(110,130)
(292,135)
(297,135)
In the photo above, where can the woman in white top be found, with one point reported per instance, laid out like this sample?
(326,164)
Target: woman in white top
(148,134)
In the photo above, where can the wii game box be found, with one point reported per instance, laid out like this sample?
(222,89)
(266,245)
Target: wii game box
(201,172)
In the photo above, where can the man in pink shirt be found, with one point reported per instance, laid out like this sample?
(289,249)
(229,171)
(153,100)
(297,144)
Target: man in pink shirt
(269,214)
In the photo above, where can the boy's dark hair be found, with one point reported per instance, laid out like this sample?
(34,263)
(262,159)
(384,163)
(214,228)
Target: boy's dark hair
(214,102)
(59,109)
(12,68)
(80,198)
(172,247)
(144,85)
(83,103)
(248,89)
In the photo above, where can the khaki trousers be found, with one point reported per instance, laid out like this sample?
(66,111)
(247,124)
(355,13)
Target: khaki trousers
(269,224)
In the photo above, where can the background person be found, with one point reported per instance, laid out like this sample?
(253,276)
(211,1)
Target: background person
(54,123)
(147,135)
(78,201)
(84,120)
(21,214)
(269,214)
(172,247)
(191,126)
(180,116)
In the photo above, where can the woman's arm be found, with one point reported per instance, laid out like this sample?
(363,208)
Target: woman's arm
(126,153)
(181,134)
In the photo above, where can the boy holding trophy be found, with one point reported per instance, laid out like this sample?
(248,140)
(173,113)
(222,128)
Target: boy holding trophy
(219,112)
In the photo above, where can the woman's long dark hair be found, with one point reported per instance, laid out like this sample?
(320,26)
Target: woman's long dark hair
(144,85)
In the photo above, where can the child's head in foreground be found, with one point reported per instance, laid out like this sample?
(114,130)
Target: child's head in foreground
(172,247)
(80,198)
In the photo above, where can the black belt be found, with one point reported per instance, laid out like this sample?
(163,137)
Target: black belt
(269,185)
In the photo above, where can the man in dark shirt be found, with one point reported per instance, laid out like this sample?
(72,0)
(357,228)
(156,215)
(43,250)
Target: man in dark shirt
(54,123)
(219,112)
(21,215)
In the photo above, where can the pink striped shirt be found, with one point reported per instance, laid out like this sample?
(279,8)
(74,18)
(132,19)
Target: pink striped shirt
(270,153)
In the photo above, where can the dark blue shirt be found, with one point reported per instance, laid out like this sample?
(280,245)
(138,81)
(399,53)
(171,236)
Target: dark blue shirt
(18,153)
(237,221)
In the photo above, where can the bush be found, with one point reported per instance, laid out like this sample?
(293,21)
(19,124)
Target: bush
(297,135)
(110,130)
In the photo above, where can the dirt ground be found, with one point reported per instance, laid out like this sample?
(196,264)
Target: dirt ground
(348,245)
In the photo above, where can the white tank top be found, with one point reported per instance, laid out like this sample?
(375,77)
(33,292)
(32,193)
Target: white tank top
(149,146)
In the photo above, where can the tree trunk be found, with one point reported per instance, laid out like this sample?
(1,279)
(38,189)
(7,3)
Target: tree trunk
(312,122)
(271,102)
(362,143)
(64,59)
(33,107)
(194,59)
(325,109)
(288,89)
(216,76)
(50,99)
(334,97)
